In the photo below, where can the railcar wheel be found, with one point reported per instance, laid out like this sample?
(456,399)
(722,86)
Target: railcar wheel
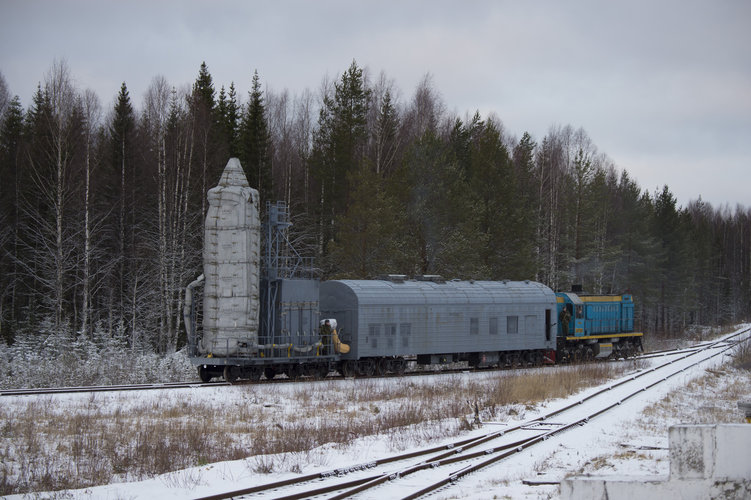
(269,372)
(516,360)
(383,366)
(399,365)
(254,373)
(537,358)
(204,374)
(589,354)
(367,367)
(231,373)
(322,370)
(525,358)
(349,368)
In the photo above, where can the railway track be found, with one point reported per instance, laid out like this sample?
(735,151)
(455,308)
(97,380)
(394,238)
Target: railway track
(194,384)
(387,477)
(107,388)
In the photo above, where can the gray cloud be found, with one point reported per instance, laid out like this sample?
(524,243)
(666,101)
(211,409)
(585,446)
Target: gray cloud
(664,88)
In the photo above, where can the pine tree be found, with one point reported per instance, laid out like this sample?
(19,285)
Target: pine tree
(433,198)
(523,160)
(339,148)
(386,136)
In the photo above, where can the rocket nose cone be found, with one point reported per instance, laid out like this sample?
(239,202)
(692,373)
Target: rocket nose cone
(233,174)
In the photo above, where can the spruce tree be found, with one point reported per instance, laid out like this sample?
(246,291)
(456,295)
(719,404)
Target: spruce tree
(255,141)
(11,132)
(208,152)
(227,114)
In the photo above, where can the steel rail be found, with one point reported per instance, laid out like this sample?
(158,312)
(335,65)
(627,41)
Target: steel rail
(105,388)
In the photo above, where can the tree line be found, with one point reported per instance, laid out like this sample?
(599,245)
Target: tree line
(101,210)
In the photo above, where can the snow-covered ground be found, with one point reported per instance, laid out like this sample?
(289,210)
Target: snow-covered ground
(630,440)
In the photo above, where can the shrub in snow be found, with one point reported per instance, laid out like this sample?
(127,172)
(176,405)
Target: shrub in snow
(58,358)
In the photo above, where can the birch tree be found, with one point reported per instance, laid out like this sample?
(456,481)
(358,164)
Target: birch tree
(92,115)
(49,248)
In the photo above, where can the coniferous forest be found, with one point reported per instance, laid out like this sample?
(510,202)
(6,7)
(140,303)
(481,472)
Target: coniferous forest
(101,209)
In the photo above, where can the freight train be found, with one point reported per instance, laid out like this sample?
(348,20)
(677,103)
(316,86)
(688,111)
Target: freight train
(256,313)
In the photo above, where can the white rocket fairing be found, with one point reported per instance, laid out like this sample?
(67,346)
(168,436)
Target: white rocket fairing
(231,254)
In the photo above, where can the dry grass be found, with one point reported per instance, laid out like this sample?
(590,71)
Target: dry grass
(711,398)
(742,355)
(47,446)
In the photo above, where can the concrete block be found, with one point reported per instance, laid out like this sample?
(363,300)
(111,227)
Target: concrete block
(691,451)
(706,461)
(733,452)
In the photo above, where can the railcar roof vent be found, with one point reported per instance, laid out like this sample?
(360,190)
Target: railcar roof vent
(435,278)
(394,278)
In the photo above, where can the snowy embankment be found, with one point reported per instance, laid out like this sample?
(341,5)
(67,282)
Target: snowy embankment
(631,440)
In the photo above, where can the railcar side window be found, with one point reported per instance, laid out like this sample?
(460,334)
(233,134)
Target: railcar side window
(374,332)
(512,324)
(529,324)
(493,326)
(390,334)
(474,326)
(405,331)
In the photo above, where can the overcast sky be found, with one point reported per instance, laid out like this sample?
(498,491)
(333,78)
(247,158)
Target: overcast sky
(662,87)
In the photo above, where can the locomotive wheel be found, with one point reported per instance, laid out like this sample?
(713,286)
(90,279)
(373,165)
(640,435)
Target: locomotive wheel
(349,369)
(269,372)
(204,374)
(383,366)
(367,367)
(231,373)
(294,371)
